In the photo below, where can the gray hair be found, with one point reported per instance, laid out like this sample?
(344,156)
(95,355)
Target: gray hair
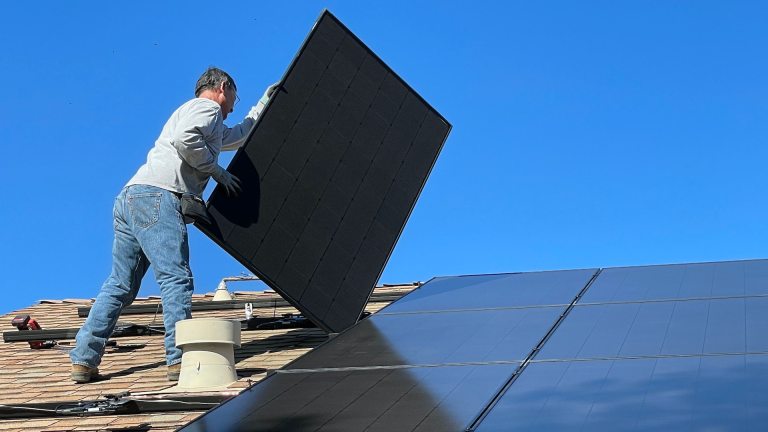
(212,79)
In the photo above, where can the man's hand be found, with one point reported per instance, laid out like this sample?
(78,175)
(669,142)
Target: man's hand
(259,107)
(271,90)
(230,183)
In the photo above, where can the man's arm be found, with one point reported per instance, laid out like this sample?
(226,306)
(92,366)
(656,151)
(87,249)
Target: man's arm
(234,137)
(190,133)
(189,139)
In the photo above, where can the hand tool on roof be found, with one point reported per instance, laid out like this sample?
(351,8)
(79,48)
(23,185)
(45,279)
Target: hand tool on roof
(39,338)
(47,337)
(26,323)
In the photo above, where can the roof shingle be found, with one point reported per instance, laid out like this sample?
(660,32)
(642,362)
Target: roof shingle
(137,364)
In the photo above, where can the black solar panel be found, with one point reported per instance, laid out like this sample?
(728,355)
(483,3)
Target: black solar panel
(494,291)
(331,173)
(436,338)
(385,400)
(411,370)
(675,347)
(718,393)
(680,281)
(681,347)
(662,328)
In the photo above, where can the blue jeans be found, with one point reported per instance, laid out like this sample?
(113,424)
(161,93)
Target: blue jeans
(149,229)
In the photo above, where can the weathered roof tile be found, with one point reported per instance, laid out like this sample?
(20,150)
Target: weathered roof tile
(137,364)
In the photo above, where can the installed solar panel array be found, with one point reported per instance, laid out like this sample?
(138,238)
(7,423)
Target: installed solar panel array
(679,347)
(331,173)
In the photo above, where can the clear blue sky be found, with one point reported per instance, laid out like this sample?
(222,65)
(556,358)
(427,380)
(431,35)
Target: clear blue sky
(595,133)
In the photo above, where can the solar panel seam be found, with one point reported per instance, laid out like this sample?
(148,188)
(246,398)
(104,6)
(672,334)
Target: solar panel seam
(236,254)
(296,181)
(423,183)
(402,366)
(302,51)
(649,356)
(439,403)
(343,215)
(665,339)
(702,263)
(339,383)
(389,408)
(394,74)
(355,253)
(591,330)
(746,328)
(371,226)
(312,38)
(285,390)
(291,67)
(672,300)
(730,325)
(595,396)
(626,336)
(500,393)
(664,394)
(328,245)
(315,209)
(706,327)
(383,377)
(479,309)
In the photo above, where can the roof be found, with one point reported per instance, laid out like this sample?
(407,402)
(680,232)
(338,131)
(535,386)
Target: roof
(137,364)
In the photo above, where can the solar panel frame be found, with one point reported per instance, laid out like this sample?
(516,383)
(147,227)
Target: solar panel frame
(337,224)
(686,330)
(680,281)
(501,290)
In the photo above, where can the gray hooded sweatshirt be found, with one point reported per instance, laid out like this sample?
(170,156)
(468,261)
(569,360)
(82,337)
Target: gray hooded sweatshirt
(187,151)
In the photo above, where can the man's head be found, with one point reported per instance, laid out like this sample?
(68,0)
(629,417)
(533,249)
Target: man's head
(218,86)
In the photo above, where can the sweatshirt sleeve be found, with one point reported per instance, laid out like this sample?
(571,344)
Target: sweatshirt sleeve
(235,137)
(192,130)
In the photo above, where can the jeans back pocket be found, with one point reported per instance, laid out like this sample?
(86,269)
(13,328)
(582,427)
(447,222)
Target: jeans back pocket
(144,208)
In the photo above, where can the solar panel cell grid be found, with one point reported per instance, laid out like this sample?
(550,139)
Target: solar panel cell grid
(710,393)
(319,168)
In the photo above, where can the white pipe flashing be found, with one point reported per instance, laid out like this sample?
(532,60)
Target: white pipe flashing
(208,359)
(221,293)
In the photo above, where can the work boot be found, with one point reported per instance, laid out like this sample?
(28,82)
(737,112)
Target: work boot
(83,374)
(174,371)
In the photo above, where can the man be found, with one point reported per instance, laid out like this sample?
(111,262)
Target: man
(148,223)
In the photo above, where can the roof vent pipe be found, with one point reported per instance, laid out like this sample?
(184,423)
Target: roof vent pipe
(222,293)
(208,359)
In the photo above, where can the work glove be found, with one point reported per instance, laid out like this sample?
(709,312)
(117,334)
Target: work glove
(259,107)
(229,182)
(269,92)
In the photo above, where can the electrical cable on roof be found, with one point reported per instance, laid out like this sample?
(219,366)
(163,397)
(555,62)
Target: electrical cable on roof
(151,401)
(29,408)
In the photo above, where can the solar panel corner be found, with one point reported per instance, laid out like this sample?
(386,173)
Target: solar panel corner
(331,173)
